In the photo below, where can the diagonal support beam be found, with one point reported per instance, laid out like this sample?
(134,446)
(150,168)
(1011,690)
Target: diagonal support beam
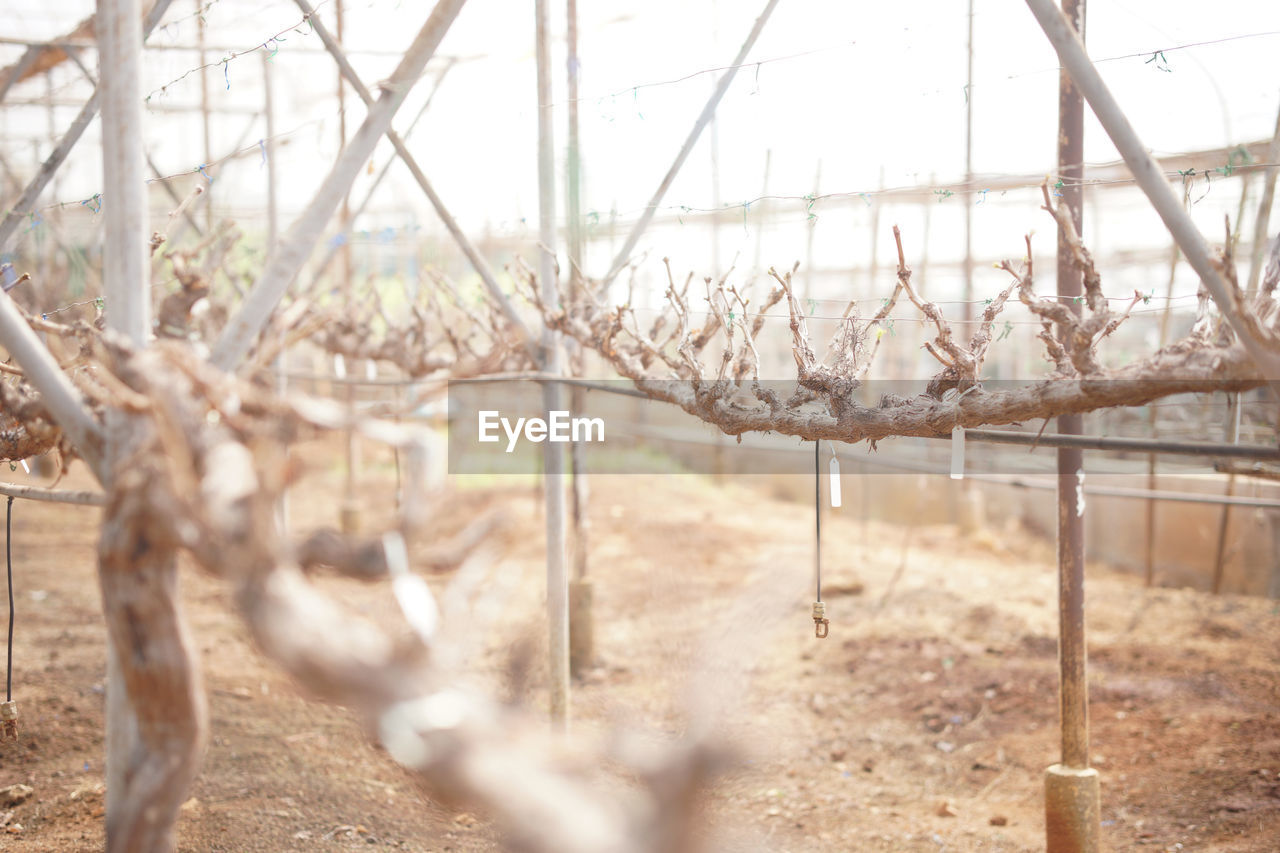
(88,74)
(26,203)
(321,267)
(60,397)
(468,248)
(708,111)
(291,251)
(1148,175)
(20,68)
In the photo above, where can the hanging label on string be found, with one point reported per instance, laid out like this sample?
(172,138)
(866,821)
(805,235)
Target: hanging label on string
(957,453)
(339,366)
(834,471)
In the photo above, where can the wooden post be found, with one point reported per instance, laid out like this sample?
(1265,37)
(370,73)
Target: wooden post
(155,702)
(553,457)
(1071,786)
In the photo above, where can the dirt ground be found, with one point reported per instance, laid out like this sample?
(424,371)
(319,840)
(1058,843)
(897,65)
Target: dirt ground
(924,723)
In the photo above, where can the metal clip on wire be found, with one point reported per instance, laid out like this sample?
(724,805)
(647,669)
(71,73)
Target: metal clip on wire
(820,622)
(8,720)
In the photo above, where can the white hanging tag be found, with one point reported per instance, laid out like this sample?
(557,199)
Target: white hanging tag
(411,591)
(371,370)
(834,471)
(339,366)
(24,466)
(957,453)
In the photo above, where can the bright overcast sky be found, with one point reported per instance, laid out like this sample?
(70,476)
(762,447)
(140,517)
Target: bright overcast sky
(859,90)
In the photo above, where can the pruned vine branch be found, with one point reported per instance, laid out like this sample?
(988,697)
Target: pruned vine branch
(825,404)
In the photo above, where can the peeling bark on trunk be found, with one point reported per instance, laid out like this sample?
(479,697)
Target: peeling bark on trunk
(151,646)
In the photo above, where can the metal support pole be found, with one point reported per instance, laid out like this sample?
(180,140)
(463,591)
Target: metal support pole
(1224,522)
(873,262)
(155,703)
(716,200)
(1071,787)
(273,228)
(573,164)
(151,164)
(61,398)
(206,136)
(344,250)
(553,457)
(125,266)
(320,268)
(57,496)
(808,237)
(349,513)
(1148,176)
(581,593)
(26,202)
(763,218)
(1149,543)
(18,69)
(269,114)
(451,225)
(124,271)
(1264,212)
(968,181)
(291,253)
(970,498)
(637,230)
